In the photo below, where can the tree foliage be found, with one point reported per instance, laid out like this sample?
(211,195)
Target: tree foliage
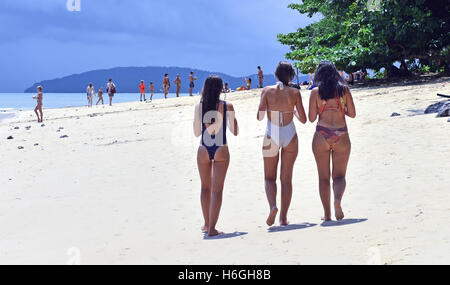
(414,33)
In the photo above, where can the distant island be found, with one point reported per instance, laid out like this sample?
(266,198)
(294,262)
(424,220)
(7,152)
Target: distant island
(127,79)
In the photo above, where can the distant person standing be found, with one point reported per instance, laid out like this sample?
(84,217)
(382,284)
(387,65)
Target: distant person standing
(90,91)
(111,89)
(152,89)
(39,97)
(100,96)
(192,78)
(142,90)
(260,77)
(166,85)
(177,81)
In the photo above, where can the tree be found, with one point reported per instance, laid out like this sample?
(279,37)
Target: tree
(413,33)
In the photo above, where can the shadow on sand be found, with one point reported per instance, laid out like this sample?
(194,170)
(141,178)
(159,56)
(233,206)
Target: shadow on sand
(225,235)
(342,222)
(290,227)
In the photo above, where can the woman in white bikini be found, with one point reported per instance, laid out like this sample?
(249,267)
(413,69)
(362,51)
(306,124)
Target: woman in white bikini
(279,102)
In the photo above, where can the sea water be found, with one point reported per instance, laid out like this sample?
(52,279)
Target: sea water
(25,101)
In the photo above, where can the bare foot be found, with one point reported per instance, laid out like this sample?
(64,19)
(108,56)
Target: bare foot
(214,232)
(205,229)
(284,223)
(271,219)
(338,211)
(326,218)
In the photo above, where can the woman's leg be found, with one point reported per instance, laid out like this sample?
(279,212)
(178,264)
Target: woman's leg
(110,100)
(37,114)
(220,167)
(288,157)
(340,156)
(270,178)
(321,150)
(204,169)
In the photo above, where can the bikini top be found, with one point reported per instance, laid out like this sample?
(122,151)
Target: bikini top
(223,128)
(340,106)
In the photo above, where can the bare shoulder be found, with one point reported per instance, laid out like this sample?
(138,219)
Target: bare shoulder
(315,92)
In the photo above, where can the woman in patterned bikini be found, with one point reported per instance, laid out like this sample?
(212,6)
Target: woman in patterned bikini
(331,101)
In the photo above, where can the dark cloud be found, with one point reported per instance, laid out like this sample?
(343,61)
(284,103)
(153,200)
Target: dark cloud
(230,36)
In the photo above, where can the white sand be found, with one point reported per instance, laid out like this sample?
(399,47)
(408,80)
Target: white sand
(123,188)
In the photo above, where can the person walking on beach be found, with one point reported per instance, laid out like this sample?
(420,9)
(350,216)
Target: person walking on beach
(260,77)
(166,85)
(100,96)
(331,101)
(152,89)
(192,78)
(39,97)
(281,103)
(111,89)
(211,118)
(177,81)
(90,91)
(142,90)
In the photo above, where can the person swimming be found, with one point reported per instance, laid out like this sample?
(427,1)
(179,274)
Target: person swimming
(281,103)
(331,101)
(211,118)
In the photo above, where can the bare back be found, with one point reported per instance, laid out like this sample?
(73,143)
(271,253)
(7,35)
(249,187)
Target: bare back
(331,112)
(273,99)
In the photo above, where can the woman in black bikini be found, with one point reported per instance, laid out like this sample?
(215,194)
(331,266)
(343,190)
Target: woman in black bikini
(212,116)
(331,101)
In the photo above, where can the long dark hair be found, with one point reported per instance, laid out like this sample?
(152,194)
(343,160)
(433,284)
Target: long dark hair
(285,72)
(329,81)
(211,93)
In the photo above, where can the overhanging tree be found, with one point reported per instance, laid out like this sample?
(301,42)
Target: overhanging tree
(414,33)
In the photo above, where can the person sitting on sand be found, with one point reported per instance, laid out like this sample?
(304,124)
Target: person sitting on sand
(152,89)
(90,91)
(248,82)
(192,78)
(111,89)
(331,101)
(142,90)
(260,77)
(177,81)
(166,85)
(39,97)
(100,96)
(211,118)
(280,102)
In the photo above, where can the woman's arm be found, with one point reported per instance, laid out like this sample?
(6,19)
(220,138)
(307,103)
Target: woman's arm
(351,111)
(312,114)
(262,106)
(197,121)
(300,113)
(232,121)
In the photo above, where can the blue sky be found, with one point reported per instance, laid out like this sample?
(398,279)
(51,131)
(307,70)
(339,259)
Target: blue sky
(41,39)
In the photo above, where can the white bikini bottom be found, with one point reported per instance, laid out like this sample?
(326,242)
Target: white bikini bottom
(281,135)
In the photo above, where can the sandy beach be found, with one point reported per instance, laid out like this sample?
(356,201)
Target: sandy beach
(123,187)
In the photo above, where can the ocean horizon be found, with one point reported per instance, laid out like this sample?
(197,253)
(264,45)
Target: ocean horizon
(24,101)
